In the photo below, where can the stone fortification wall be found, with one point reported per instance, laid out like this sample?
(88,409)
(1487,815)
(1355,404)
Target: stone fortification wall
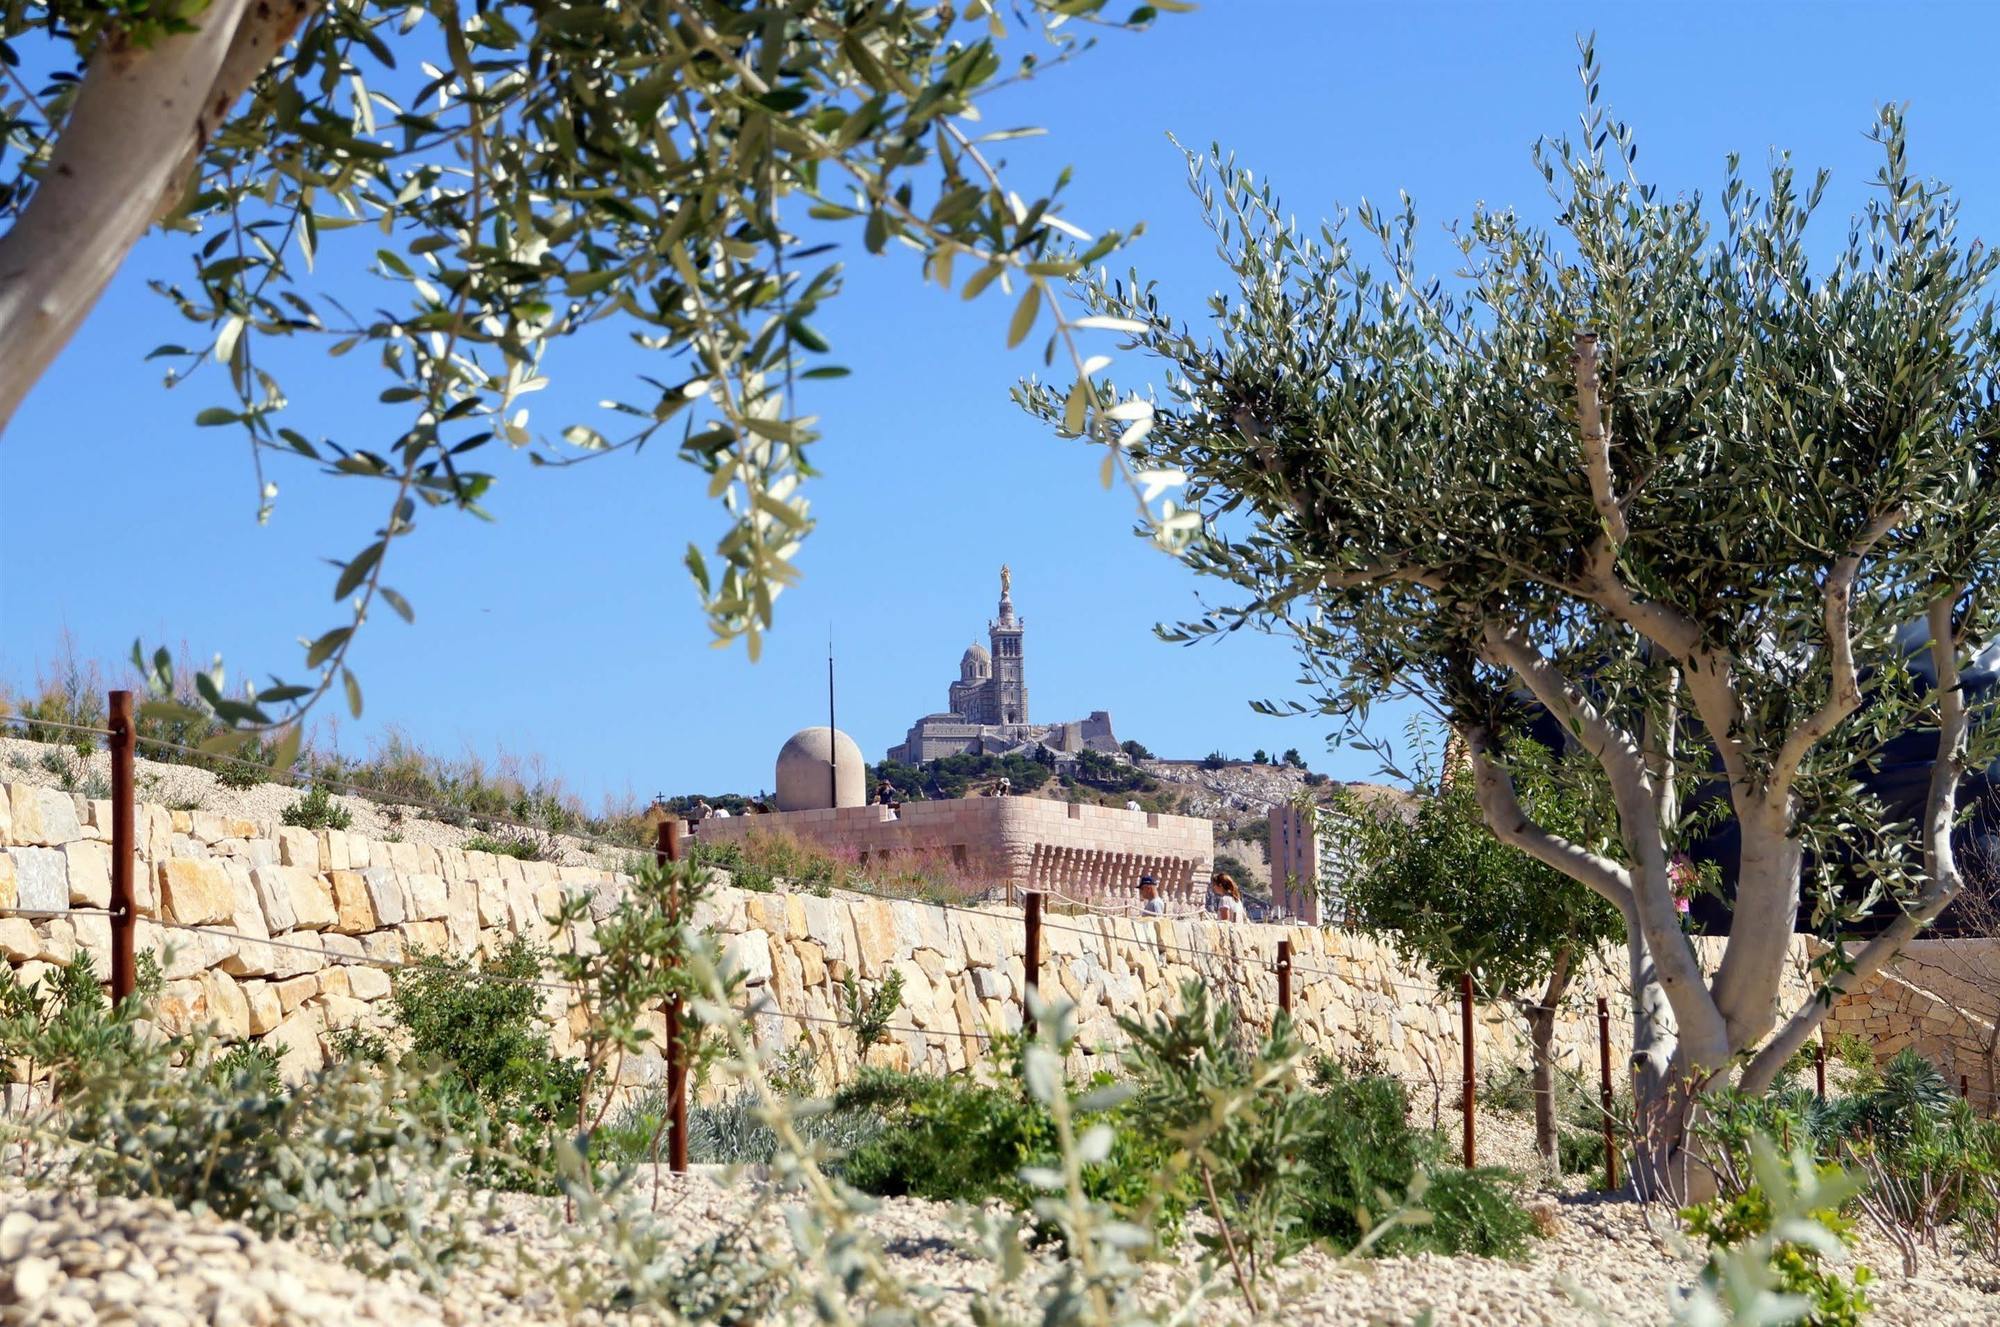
(1083,851)
(300,931)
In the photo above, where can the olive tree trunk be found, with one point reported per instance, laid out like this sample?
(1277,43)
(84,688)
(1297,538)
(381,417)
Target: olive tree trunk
(120,161)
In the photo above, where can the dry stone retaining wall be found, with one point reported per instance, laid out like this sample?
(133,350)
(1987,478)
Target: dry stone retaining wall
(315,920)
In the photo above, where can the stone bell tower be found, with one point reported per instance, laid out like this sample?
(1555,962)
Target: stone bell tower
(1010,684)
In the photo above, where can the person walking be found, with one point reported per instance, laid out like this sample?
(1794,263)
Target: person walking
(1150,902)
(1225,899)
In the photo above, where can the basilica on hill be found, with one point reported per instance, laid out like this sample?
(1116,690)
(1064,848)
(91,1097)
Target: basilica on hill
(987,707)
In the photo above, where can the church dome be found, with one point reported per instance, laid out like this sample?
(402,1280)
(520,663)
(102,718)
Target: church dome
(975,664)
(819,768)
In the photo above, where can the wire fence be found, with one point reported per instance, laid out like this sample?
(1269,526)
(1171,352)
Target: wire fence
(1227,960)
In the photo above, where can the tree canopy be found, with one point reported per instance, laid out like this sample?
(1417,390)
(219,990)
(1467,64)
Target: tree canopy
(512,174)
(1723,510)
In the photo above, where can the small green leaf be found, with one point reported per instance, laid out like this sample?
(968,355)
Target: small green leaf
(357,571)
(347,680)
(1024,315)
(216,415)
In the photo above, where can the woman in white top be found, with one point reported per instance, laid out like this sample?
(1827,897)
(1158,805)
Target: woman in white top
(1225,899)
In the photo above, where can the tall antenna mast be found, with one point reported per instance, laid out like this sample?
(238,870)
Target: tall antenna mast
(832,733)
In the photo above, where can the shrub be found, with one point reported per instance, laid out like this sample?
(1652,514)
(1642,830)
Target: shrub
(318,810)
(954,1140)
(1214,760)
(484,1026)
(522,847)
(1136,750)
(1749,1220)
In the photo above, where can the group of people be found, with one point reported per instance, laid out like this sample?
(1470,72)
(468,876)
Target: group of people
(1224,901)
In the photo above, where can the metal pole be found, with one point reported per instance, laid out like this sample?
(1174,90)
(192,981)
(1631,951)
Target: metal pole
(1031,961)
(832,751)
(124,922)
(1819,1063)
(668,849)
(1285,975)
(1465,1025)
(1604,1093)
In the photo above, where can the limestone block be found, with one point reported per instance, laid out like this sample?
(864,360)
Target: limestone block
(265,1010)
(360,853)
(367,983)
(228,1007)
(383,946)
(404,858)
(492,899)
(333,842)
(295,991)
(429,937)
(312,899)
(424,894)
(335,981)
(188,954)
(246,917)
(181,1008)
(749,954)
(6,815)
(260,852)
(195,893)
(209,827)
(828,924)
(18,941)
(385,894)
(812,967)
(355,914)
(41,878)
(992,984)
(343,1011)
(522,916)
(297,1041)
(42,817)
(875,935)
(918,997)
(183,822)
(89,864)
(461,912)
(93,937)
(274,894)
(301,954)
(299,846)
(10,878)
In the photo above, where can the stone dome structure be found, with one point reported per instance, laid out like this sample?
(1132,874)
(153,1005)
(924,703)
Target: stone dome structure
(820,768)
(975,665)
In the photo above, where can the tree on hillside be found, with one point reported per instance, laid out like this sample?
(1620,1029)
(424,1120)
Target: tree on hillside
(1717,509)
(1445,891)
(513,174)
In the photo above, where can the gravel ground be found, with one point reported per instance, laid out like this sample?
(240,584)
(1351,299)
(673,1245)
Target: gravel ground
(74,1259)
(185,788)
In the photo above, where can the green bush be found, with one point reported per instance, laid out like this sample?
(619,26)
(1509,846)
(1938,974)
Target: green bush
(489,1037)
(955,1140)
(1731,1222)
(318,810)
(521,847)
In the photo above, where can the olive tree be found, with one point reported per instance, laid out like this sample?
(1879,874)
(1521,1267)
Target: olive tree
(513,173)
(1439,885)
(1722,510)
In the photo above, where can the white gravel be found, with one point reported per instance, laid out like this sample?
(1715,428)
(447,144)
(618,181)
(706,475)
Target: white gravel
(74,1259)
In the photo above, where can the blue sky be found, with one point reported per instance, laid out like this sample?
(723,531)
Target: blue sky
(567,630)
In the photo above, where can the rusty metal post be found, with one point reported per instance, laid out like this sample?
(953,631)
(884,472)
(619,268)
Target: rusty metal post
(1031,959)
(1465,1026)
(1285,975)
(668,849)
(124,849)
(1604,1093)
(1819,1063)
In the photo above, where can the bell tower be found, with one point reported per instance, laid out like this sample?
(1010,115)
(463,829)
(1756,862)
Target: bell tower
(1010,684)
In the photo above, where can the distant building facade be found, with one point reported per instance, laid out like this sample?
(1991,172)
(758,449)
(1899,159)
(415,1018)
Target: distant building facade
(987,712)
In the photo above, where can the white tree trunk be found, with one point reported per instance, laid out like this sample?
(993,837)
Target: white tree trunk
(137,123)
